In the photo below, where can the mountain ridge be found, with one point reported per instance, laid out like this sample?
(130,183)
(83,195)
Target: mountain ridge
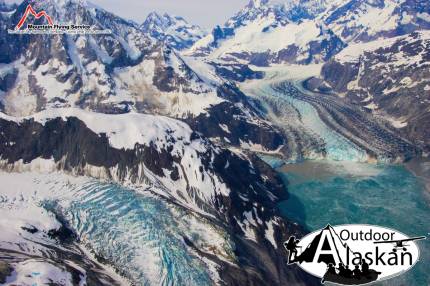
(335,25)
(263,34)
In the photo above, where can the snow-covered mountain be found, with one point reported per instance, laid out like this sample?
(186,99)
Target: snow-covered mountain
(126,70)
(270,32)
(391,78)
(131,109)
(117,73)
(358,20)
(96,106)
(368,20)
(173,30)
(311,31)
(262,33)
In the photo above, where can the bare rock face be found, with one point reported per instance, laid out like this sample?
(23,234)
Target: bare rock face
(5,271)
(228,124)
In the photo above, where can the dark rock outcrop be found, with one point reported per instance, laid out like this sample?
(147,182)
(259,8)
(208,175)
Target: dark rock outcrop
(228,123)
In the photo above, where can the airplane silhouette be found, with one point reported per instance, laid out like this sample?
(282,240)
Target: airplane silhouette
(399,243)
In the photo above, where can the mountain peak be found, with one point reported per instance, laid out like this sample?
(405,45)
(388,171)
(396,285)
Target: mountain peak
(173,30)
(153,15)
(257,3)
(164,21)
(258,9)
(155,19)
(60,9)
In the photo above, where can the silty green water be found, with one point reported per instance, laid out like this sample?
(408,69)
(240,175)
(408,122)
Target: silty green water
(325,192)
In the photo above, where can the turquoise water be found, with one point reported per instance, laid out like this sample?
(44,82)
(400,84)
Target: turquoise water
(139,234)
(384,195)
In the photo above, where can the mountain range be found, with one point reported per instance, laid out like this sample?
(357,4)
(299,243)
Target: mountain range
(267,32)
(185,115)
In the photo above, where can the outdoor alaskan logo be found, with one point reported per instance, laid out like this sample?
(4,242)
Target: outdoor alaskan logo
(354,254)
(25,25)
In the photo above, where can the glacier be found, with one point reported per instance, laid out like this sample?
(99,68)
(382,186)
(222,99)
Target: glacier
(142,236)
(289,112)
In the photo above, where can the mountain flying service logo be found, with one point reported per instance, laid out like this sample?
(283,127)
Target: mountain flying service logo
(50,27)
(354,254)
(30,10)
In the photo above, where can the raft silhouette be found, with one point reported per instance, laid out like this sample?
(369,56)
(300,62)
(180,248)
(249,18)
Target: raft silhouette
(365,278)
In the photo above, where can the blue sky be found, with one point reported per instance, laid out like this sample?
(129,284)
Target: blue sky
(206,13)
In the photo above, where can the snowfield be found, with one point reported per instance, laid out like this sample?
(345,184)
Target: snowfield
(250,38)
(123,130)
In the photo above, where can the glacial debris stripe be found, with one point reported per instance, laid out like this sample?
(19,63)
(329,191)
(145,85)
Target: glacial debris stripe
(337,147)
(291,113)
(321,125)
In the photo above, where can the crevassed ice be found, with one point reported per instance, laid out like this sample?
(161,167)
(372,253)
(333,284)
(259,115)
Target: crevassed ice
(138,234)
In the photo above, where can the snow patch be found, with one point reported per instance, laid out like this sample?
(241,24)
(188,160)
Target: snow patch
(34,272)
(270,234)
